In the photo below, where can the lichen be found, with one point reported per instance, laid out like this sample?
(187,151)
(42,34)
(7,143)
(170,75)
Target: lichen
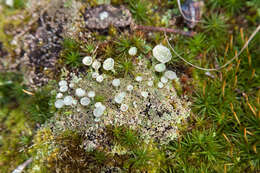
(155,105)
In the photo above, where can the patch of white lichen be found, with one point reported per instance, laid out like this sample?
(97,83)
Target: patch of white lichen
(148,104)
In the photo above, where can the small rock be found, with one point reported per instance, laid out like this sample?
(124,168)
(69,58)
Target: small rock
(103,16)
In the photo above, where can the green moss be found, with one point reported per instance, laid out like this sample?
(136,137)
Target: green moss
(126,137)
(57,150)
(215,25)
(221,110)
(64,151)
(18,115)
(139,10)
(44,149)
(99,98)
(125,67)
(141,156)
(11,88)
(198,147)
(145,158)
(13,148)
(125,42)
(12,94)
(41,105)
(73,59)
(197,43)
(70,45)
(19,4)
(89,48)
(71,53)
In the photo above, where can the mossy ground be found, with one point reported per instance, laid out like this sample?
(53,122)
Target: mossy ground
(7,23)
(223,133)
(16,135)
(20,114)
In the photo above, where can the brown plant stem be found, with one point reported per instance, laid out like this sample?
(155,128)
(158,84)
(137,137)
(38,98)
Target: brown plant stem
(162,29)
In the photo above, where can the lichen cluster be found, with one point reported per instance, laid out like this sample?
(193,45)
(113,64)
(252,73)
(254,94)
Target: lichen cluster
(146,103)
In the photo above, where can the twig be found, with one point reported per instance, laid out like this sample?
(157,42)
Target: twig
(162,29)
(21,167)
(223,66)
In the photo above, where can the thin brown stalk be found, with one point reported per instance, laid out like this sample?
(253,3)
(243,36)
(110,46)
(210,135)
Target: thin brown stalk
(234,113)
(165,30)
